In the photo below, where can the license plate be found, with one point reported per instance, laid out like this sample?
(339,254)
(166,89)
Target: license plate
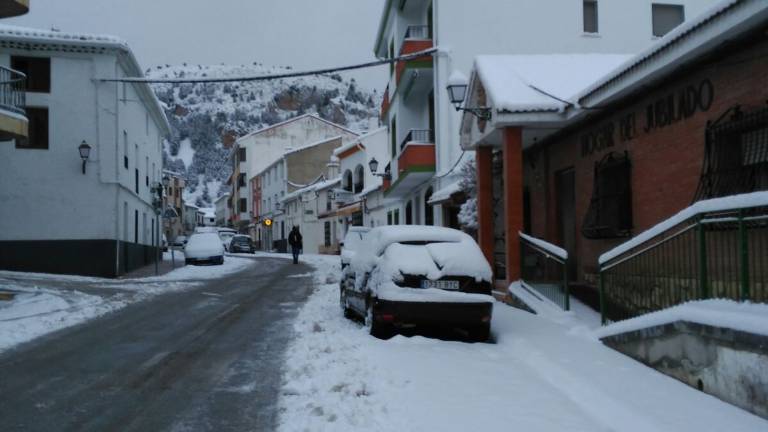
(450,285)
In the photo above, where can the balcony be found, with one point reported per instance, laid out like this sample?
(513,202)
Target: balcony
(12,8)
(13,119)
(415,164)
(385,104)
(417,38)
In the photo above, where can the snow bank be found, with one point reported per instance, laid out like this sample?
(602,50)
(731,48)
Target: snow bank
(548,247)
(754,199)
(37,311)
(746,317)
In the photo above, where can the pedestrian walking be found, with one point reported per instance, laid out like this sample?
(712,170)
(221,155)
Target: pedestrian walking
(296,242)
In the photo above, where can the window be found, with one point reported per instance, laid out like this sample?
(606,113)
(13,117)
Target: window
(393,137)
(666,17)
(38,130)
(389,218)
(136,171)
(347,181)
(135,226)
(409,213)
(37,70)
(241,180)
(396,217)
(327,234)
(610,210)
(359,179)
(590,16)
(328,202)
(125,149)
(241,154)
(243,205)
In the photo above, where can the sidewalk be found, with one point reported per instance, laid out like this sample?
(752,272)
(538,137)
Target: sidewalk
(164,267)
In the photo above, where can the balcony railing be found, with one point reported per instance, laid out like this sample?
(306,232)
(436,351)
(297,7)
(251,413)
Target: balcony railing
(710,254)
(418,136)
(417,32)
(12,90)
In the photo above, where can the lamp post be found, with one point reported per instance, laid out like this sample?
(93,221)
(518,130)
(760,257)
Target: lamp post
(85,153)
(457,93)
(166,182)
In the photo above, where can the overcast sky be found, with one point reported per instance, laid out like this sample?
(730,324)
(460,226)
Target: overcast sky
(301,33)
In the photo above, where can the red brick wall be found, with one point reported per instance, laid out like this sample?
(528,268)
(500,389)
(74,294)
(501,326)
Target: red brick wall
(666,162)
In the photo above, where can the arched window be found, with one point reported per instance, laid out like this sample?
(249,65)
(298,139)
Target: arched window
(429,211)
(347,181)
(359,179)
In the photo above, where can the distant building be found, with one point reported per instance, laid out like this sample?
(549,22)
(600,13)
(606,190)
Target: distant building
(209,216)
(61,214)
(222,211)
(253,152)
(175,201)
(191,218)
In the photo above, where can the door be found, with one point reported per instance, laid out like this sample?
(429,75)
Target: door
(565,185)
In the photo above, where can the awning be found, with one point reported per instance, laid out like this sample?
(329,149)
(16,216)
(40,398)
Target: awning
(349,210)
(445,194)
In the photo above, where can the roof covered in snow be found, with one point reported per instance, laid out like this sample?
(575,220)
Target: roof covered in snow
(540,82)
(358,142)
(445,192)
(12,32)
(314,116)
(321,184)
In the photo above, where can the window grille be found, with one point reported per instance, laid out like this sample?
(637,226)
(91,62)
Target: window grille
(610,210)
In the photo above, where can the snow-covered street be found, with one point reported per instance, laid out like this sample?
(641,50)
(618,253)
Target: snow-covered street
(44,303)
(545,372)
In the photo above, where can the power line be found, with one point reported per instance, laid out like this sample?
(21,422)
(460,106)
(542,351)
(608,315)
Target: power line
(405,57)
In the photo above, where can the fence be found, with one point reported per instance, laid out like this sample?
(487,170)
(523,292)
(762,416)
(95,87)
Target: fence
(545,269)
(12,90)
(717,254)
(420,136)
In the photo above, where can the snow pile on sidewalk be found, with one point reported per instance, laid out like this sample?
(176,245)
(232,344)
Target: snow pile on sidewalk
(540,375)
(36,311)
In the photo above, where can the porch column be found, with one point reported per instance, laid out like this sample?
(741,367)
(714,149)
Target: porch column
(483,160)
(512,150)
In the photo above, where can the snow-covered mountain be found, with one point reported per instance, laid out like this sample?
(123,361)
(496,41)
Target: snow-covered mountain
(206,118)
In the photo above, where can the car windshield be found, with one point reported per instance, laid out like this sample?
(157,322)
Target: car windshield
(239,239)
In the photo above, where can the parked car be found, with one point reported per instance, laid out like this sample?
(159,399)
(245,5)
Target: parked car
(180,241)
(410,276)
(241,243)
(226,238)
(204,248)
(351,243)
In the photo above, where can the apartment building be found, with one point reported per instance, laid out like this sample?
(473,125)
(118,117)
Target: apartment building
(423,123)
(173,215)
(78,189)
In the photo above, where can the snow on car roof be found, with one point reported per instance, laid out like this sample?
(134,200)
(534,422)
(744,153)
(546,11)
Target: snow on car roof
(381,237)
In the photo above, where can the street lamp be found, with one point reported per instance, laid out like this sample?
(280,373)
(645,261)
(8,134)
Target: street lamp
(85,153)
(457,93)
(373,165)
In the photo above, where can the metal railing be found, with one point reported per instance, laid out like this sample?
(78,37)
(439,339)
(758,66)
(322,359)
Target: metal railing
(721,254)
(418,136)
(12,90)
(417,32)
(545,272)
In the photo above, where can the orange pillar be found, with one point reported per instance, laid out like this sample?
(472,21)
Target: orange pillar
(483,160)
(512,150)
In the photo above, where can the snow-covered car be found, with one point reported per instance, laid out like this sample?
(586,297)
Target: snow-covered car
(204,248)
(180,241)
(408,276)
(226,237)
(241,243)
(351,243)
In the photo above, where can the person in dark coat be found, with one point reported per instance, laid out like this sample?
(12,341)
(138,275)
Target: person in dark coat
(297,243)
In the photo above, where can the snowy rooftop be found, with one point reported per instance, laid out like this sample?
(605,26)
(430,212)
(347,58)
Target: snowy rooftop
(358,141)
(547,82)
(320,185)
(294,119)
(445,192)
(26,33)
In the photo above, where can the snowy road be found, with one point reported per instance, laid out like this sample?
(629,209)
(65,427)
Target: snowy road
(204,358)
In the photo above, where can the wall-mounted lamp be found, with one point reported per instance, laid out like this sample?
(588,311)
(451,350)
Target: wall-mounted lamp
(457,93)
(85,153)
(373,165)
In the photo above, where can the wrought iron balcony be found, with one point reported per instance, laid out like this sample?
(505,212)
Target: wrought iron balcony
(418,136)
(12,90)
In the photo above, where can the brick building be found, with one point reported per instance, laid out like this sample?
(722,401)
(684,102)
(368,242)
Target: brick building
(589,164)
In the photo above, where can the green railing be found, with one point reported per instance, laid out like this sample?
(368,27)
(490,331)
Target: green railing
(714,254)
(544,268)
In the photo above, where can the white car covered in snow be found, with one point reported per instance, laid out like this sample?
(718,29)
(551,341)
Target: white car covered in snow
(408,276)
(351,243)
(204,248)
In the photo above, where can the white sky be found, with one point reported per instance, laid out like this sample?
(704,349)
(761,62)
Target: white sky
(301,33)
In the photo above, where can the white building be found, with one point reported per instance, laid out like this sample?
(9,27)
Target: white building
(209,216)
(58,213)
(222,210)
(252,153)
(360,196)
(424,125)
(191,217)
